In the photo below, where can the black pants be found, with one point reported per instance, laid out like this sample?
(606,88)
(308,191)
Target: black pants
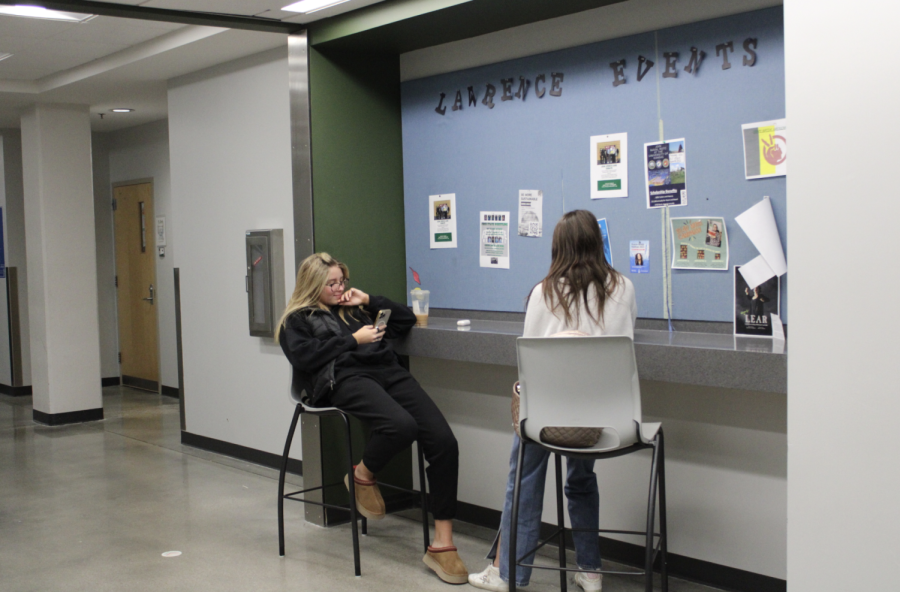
(398,413)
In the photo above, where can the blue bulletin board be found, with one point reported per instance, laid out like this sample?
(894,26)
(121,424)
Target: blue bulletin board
(486,155)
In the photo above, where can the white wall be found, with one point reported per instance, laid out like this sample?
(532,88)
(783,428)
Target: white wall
(843,405)
(106,258)
(140,153)
(229,140)
(14,219)
(726,467)
(5,366)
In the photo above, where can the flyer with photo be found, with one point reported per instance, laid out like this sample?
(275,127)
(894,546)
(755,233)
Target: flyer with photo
(609,166)
(604,232)
(639,254)
(665,174)
(531,212)
(699,243)
(765,149)
(754,307)
(442,221)
(494,248)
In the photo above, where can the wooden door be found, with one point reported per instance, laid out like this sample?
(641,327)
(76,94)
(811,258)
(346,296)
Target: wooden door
(136,283)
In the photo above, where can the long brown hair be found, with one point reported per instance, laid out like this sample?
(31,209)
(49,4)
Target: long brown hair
(577,264)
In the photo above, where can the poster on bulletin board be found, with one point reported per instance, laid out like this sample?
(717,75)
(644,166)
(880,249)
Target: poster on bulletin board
(442,221)
(665,173)
(609,166)
(639,251)
(765,149)
(699,243)
(494,234)
(604,232)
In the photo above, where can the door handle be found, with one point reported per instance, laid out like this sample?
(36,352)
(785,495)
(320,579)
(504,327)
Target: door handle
(151,295)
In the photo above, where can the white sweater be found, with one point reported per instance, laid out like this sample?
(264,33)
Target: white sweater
(619,314)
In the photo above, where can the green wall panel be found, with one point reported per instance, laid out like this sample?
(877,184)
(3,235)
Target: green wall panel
(357,162)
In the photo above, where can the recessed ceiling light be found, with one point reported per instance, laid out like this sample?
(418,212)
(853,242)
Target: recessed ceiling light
(121,110)
(308,6)
(42,13)
(3,56)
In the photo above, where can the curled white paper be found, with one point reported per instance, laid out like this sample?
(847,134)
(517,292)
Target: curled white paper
(759,224)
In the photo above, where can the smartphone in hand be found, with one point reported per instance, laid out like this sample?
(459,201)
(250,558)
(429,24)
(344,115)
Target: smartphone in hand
(381,320)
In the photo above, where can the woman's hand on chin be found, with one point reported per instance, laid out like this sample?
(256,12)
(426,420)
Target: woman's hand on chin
(354,297)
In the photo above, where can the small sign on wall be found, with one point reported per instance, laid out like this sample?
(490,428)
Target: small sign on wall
(160,231)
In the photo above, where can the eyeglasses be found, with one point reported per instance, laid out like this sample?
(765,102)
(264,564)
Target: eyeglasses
(339,284)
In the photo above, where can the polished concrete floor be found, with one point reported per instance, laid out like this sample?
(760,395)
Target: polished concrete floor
(94,506)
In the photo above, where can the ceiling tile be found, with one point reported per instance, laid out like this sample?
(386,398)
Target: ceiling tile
(239,7)
(126,32)
(15,26)
(42,60)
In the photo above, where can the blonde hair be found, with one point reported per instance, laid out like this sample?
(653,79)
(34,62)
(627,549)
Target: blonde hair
(311,279)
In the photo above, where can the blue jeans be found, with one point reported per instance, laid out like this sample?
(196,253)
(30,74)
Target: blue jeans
(584,509)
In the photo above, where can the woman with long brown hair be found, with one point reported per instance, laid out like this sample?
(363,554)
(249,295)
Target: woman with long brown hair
(340,360)
(583,295)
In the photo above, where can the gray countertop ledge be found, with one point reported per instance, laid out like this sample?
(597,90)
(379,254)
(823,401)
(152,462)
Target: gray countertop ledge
(706,359)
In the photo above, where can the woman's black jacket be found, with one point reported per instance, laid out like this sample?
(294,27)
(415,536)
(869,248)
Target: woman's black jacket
(314,342)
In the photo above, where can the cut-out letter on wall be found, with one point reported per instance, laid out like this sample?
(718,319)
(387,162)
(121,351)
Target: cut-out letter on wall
(556,79)
(507,89)
(457,104)
(671,70)
(440,110)
(751,59)
(723,49)
(647,64)
(524,83)
(489,96)
(540,91)
(696,59)
(618,69)
(473,100)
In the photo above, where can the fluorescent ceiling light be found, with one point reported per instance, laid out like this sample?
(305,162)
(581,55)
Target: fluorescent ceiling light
(3,56)
(42,13)
(308,6)
(121,110)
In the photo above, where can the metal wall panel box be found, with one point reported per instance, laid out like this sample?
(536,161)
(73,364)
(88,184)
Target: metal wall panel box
(265,280)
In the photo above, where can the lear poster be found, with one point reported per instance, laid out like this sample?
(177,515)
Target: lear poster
(531,213)
(699,243)
(665,173)
(442,221)
(639,253)
(754,307)
(604,232)
(609,166)
(495,239)
(765,149)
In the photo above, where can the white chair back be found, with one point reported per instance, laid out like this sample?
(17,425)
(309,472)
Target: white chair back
(580,382)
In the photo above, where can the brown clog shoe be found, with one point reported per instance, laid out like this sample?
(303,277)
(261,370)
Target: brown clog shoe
(446,563)
(369,502)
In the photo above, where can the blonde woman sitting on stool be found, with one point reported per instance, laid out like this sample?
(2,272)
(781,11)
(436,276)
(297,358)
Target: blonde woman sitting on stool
(341,360)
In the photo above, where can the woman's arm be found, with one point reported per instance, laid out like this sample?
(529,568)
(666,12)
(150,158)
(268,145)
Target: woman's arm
(402,318)
(308,353)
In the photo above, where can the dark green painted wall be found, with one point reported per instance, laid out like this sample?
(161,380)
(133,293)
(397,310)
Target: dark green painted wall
(357,163)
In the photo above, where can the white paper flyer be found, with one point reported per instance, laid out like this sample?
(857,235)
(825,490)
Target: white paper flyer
(531,216)
(442,221)
(494,239)
(609,166)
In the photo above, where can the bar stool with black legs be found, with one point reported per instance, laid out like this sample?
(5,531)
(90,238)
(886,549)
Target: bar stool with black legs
(587,383)
(302,407)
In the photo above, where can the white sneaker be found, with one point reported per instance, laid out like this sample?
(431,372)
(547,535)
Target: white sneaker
(489,579)
(589,582)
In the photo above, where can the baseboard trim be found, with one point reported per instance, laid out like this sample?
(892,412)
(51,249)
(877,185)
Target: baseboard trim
(266,459)
(169,391)
(686,568)
(140,383)
(15,391)
(58,419)
(111,381)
